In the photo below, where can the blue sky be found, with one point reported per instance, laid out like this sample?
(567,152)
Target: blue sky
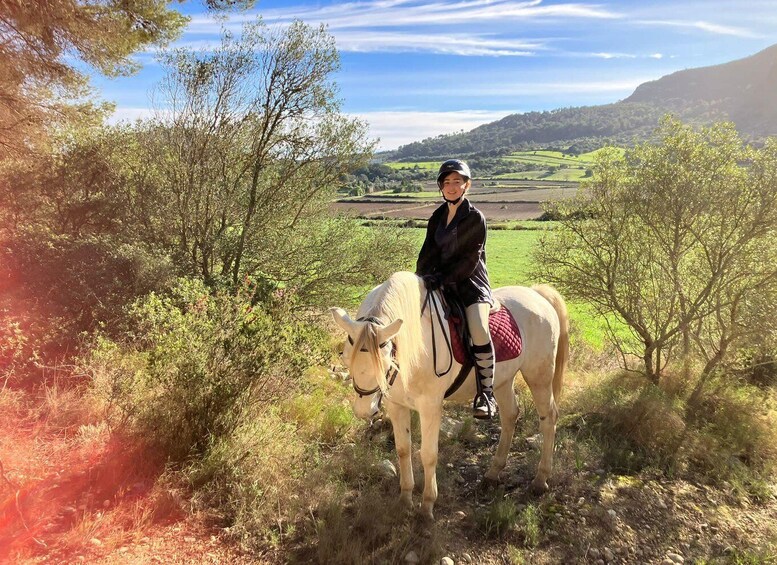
(418,69)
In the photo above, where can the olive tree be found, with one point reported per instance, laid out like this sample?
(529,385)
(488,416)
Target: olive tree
(672,240)
(248,150)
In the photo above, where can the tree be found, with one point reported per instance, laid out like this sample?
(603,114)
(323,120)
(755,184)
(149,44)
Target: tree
(248,152)
(44,43)
(675,241)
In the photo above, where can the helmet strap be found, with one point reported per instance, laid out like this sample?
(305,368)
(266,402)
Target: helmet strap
(453,201)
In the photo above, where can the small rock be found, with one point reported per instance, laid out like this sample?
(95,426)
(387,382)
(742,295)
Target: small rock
(412,557)
(667,561)
(599,562)
(189,539)
(461,514)
(446,561)
(608,554)
(96,542)
(675,557)
(450,428)
(387,468)
(466,557)
(594,553)
(534,441)
(580,501)
(106,503)
(123,549)
(612,514)
(661,504)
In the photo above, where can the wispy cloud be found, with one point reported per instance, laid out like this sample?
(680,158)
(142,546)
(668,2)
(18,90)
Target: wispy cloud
(395,128)
(612,55)
(399,26)
(716,29)
(523,88)
(455,44)
(401,13)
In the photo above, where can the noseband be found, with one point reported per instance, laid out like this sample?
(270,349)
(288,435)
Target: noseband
(391,372)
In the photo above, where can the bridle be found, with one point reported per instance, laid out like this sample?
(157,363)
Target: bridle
(391,372)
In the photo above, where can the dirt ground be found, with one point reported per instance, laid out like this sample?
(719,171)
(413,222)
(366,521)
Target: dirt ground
(84,498)
(422,210)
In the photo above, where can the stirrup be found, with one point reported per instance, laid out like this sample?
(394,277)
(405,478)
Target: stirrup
(484,406)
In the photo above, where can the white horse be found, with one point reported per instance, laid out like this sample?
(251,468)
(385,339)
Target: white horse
(393,336)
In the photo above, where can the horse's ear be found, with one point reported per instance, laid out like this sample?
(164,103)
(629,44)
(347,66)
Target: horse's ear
(387,332)
(343,319)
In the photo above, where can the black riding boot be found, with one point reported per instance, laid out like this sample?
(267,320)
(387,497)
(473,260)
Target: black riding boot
(484,406)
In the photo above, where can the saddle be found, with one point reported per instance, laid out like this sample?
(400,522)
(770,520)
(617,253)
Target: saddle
(505,335)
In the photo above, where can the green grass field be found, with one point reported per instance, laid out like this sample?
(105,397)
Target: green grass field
(574,166)
(431,165)
(551,158)
(509,262)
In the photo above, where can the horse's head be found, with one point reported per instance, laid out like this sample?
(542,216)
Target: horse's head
(368,357)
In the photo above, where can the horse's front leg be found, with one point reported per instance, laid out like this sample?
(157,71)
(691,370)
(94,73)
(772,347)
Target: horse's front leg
(400,421)
(430,414)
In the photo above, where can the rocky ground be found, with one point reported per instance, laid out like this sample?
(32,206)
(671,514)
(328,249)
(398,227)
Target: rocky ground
(589,515)
(79,499)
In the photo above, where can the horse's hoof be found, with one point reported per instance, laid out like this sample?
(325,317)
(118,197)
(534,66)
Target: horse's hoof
(538,487)
(488,483)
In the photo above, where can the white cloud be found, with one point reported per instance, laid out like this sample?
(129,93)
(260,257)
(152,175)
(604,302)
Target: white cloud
(130,114)
(415,13)
(657,56)
(356,25)
(613,55)
(713,28)
(395,128)
(456,44)
(524,88)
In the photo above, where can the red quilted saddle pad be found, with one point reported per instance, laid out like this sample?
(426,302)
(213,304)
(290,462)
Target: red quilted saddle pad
(505,336)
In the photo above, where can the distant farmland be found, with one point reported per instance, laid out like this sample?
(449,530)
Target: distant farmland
(498,199)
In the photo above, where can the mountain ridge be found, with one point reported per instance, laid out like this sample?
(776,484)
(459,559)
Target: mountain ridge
(743,91)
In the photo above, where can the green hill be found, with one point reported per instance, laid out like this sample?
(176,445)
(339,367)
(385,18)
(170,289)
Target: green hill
(742,91)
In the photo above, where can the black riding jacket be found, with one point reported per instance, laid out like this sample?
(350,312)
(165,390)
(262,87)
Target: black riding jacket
(456,253)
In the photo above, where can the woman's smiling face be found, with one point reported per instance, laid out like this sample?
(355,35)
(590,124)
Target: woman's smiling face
(454,186)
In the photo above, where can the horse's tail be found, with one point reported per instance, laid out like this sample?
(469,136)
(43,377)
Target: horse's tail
(562,353)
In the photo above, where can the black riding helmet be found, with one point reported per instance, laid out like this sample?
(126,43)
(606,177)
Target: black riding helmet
(453,166)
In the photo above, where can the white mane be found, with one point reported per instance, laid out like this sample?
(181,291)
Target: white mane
(400,297)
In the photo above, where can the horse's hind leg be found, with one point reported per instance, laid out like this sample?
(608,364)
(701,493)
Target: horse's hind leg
(508,416)
(400,421)
(541,386)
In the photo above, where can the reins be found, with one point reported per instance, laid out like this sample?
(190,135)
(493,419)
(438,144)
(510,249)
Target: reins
(393,371)
(436,307)
(466,367)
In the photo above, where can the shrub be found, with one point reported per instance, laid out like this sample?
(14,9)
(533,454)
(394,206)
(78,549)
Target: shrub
(77,285)
(726,436)
(197,360)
